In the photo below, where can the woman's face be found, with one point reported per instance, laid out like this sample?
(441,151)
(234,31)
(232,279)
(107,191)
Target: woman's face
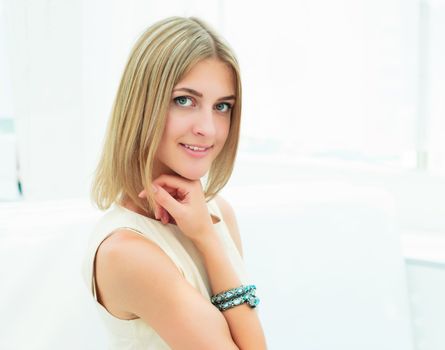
(198,120)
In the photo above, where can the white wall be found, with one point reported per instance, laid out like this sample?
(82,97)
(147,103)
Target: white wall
(67,58)
(317,76)
(328,76)
(44,40)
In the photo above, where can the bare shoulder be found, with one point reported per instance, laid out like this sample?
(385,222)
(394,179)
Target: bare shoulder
(116,264)
(136,277)
(230,218)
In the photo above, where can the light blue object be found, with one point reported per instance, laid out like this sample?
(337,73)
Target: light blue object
(6,126)
(236,296)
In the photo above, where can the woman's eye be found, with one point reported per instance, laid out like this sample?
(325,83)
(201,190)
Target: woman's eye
(183,101)
(186,101)
(224,107)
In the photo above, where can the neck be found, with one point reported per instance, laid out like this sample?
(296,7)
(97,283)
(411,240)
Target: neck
(129,204)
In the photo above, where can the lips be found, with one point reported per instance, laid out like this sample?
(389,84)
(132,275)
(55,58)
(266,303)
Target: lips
(196,151)
(196,148)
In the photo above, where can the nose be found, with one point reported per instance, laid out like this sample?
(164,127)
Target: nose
(204,124)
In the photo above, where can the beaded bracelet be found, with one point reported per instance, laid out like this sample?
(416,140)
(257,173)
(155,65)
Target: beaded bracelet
(236,296)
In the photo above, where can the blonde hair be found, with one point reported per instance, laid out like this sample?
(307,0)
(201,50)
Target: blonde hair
(163,54)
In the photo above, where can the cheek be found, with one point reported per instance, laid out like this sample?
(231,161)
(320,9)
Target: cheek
(224,129)
(173,127)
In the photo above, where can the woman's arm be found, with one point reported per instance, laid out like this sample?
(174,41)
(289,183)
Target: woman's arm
(243,321)
(135,277)
(188,208)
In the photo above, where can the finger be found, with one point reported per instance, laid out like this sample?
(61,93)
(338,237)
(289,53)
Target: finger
(166,201)
(182,193)
(171,181)
(161,214)
(156,210)
(165,217)
(170,190)
(177,187)
(143,193)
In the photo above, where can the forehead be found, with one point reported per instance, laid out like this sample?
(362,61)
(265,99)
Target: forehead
(210,76)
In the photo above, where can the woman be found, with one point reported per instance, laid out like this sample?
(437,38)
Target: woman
(159,260)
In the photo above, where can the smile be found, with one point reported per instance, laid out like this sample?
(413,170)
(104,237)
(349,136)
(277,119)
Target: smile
(195,150)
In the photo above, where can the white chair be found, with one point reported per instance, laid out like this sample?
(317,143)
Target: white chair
(327,261)
(44,301)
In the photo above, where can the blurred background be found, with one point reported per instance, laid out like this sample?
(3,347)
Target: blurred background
(339,185)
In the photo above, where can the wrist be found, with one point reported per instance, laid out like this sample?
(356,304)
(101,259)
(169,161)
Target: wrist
(207,241)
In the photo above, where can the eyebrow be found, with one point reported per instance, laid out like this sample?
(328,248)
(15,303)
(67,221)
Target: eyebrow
(196,93)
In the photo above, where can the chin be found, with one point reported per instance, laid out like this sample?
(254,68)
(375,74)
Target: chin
(192,174)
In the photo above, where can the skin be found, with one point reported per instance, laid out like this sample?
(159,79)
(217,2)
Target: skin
(194,120)
(136,279)
(199,115)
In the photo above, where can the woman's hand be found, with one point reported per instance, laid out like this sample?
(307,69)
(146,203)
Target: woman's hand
(183,200)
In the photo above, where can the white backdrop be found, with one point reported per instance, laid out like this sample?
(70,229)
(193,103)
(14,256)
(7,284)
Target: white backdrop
(325,256)
(338,78)
(334,77)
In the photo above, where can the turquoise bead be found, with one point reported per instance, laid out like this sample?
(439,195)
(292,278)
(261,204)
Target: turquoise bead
(236,296)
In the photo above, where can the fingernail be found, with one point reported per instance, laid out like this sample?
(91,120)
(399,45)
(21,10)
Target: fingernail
(140,195)
(154,188)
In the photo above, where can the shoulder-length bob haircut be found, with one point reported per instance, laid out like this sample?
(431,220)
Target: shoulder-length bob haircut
(163,54)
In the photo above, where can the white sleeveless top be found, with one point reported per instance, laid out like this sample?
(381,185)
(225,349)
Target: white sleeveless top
(137,334)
